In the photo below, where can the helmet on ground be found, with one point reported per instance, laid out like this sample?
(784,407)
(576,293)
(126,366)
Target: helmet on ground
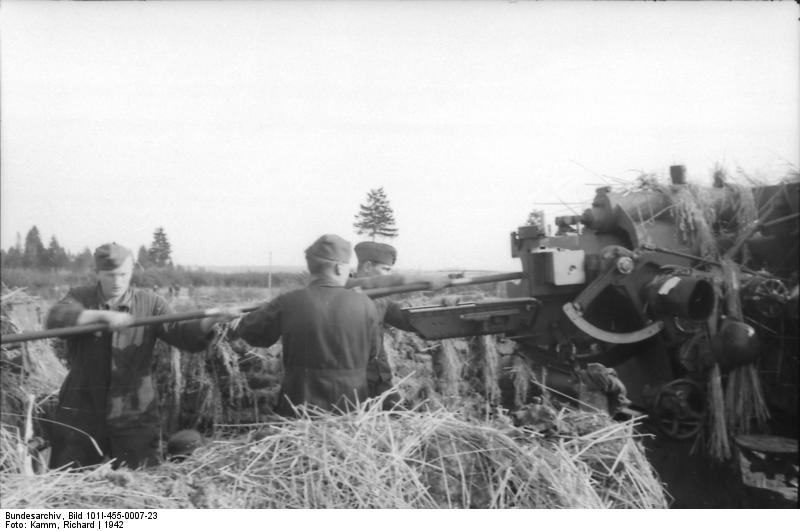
(183,443)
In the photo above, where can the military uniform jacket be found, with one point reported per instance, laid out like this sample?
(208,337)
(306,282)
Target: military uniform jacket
(329,334)
(379,372)
(109,386)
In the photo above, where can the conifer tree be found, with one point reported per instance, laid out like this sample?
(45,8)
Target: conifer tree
(33,256)
(376,217)
(160,250)
(55,256)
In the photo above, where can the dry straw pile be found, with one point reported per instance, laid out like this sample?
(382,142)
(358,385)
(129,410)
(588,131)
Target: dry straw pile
(30,374)
(369,458)
(27,368)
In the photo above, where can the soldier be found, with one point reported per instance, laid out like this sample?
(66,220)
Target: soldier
(107,404)
(377,260)
(375,263)
(329,333)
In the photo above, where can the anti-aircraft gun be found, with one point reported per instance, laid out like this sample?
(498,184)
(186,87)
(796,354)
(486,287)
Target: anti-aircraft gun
(646,292)
(636,304)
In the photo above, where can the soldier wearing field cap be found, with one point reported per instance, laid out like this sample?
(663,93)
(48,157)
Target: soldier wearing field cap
(108,406)
(375,270)
(375,263)
(375,258)
(329,333)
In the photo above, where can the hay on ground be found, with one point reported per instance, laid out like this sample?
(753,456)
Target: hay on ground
(375,459)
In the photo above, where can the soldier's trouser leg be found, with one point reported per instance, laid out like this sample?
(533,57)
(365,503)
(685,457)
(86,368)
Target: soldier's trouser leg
(136,446)
(76,448)
(379,380)
(75,451)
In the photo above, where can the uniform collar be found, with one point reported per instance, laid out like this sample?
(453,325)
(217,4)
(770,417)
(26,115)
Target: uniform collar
(123,304)
(324,282)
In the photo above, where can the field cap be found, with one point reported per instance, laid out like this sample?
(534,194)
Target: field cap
(330,247)
(383,253)
(110,256)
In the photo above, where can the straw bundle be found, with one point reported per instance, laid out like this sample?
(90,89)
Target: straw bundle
(718,441)
(375,459)
(413,365)
(490,359)
(454,370)
(744,399)
(521,377)
(217,386)
(235,395)
(27,368)
(30,373)
(745,406)
(450,367)
(694,216)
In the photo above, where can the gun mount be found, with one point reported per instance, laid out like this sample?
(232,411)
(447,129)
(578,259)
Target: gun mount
(638,284)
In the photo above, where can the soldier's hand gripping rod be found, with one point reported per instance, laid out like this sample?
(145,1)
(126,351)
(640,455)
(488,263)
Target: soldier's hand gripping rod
(200,314)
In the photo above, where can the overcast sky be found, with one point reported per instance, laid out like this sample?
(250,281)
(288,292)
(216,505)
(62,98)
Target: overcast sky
(245,128)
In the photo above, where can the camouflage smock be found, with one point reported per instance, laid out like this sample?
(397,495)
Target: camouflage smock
(109,388)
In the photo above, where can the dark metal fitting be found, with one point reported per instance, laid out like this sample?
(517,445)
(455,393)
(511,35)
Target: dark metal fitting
(625,265)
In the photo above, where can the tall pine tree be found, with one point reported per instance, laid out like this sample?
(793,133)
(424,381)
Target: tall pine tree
(33,256)
(160,251)
(55,255)
(376,217)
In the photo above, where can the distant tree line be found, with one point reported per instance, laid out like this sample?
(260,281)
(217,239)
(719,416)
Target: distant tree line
(34,255)
(33,265)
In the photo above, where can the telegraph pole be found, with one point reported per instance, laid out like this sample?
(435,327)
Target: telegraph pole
(269,275)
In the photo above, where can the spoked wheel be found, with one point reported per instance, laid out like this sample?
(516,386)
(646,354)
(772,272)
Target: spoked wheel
(679,409)
(768,296)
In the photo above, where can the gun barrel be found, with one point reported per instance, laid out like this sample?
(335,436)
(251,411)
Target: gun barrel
(375,293)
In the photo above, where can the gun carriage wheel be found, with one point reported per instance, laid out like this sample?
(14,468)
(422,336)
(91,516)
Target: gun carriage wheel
(679,409)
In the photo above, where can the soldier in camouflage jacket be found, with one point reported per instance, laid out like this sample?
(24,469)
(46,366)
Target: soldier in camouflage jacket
(108,405)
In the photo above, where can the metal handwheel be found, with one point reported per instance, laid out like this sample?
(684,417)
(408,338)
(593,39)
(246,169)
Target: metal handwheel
(679,409)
